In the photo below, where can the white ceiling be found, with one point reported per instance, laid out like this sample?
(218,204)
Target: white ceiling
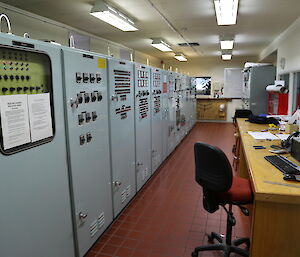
(258,23)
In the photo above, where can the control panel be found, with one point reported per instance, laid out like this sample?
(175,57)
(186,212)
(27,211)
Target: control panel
(85,85)
(24,72)
(156,116)
(142,124)
(35,195)
(26,79)
(122,136)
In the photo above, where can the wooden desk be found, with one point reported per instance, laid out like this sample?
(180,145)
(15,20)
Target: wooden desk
(275,230)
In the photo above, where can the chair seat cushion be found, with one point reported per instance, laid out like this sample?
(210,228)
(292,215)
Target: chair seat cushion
(240,192)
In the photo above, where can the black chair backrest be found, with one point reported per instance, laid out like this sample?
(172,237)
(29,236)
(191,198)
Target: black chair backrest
(213,173)
(241,113)
(213,170)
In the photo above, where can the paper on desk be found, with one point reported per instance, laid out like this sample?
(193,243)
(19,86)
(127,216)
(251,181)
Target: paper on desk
(263,135)
(282,136)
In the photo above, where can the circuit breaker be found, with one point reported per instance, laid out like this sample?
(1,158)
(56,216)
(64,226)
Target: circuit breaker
(122,137)
(34,186)
(142,124)
(85,85)
(156,118)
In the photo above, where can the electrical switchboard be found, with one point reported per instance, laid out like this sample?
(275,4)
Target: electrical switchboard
(156,118)
(179,116)
(172,113)
(165,114)
(122,138)
(34,186)
(142,124)
(85,85)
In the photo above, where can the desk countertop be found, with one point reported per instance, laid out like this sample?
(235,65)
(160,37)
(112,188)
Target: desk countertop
(266,180)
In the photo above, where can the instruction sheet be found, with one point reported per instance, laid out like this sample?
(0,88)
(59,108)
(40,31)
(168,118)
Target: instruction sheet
(14,120)
(40,116)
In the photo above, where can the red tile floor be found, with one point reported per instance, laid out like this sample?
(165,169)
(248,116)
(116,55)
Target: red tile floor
(166,218)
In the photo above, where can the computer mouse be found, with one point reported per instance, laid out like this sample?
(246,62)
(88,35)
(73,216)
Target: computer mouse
(289,177)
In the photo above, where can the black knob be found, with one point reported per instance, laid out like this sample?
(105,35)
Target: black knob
(94,98)
(11,77)
(26,88)
(19,89)
(99,97)
(37,88)
(12,89)
(32,88)
(80,99)
(88,118)
(0,77)
(4,89)
(17,77)
(89,137)
(22,77)
(27,77)
(5,77)
(94,116)
(87,99)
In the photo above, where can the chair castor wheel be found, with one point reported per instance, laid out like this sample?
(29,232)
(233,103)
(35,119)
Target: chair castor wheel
(210,239)
(194,254)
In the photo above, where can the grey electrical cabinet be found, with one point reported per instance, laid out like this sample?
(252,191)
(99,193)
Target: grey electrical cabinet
(165,114)
(171,113)
(142,124)
(156,118)
(34,186)
(255,81)
(85,86)
(122,138)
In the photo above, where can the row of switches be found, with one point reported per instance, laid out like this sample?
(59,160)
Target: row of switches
(88,77)
(87,138)
(87,117)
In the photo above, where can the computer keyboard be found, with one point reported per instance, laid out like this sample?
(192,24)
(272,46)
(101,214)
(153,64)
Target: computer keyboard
(283,164)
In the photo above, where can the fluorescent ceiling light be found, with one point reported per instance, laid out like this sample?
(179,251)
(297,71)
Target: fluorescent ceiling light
(161,45)
(226,57)
(226,44)
(104,12)
(180,57)
(226,11)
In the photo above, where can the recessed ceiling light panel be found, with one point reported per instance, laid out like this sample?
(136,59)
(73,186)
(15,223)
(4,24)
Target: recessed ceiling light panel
(226,44)
(226,11)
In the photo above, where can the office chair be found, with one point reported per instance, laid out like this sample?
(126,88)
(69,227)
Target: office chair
(220,187)
(239,113)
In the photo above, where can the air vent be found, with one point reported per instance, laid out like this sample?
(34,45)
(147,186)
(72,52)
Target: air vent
(189,44)
(101,220)
(123,196)
(128,191)
(93,228)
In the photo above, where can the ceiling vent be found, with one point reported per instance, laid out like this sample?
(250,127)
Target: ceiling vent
(188,44)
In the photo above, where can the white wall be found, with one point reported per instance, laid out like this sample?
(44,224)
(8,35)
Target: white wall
(40,27)
(288,55)
(207,66)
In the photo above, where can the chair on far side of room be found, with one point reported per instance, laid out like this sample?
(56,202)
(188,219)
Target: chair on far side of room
(239,113)
(221,188)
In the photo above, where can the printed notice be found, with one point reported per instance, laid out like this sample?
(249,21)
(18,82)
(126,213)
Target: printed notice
(14,120)
(40,116)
